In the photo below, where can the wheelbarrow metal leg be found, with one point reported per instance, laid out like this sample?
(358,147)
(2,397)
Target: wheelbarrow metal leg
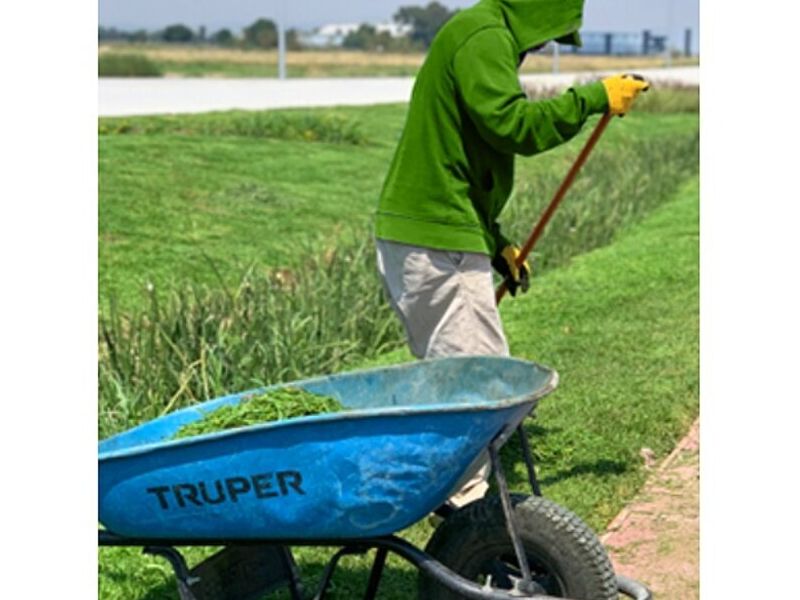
(327,574)
(464,588)
(375,574)
(528,455)
(527,581)
(295,584)
(180,567)
(235,572)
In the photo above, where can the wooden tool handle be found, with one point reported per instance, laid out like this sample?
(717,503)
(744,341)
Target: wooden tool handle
(560,193)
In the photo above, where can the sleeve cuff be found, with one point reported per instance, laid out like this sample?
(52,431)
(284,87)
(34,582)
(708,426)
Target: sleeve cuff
(595,96)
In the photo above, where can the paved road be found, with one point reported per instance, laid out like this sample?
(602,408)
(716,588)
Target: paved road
(129,96)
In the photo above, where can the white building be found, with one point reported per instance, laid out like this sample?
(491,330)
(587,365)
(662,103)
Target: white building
(333,34)
(395,30)
(334,30)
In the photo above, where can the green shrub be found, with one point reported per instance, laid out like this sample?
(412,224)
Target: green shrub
(126,65)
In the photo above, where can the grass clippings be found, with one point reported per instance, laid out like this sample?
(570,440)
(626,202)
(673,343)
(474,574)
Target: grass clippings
(274,405)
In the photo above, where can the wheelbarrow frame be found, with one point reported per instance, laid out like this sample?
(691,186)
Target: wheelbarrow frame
(425,563)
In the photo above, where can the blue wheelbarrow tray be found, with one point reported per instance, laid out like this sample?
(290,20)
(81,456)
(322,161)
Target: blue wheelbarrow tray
(410,436)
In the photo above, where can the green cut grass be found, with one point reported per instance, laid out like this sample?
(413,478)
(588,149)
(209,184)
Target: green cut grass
(620,325)
(273,405)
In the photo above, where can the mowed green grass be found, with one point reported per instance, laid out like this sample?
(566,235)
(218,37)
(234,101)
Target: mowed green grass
(620,325)
(171,205)
(180,203)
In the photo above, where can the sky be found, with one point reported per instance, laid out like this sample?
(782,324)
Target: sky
(660,16)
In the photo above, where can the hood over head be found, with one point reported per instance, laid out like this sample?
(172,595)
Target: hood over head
(534,22)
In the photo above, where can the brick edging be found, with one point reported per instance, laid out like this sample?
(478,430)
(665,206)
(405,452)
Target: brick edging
(618,521)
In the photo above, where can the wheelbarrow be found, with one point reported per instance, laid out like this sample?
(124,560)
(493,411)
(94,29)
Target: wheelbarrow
(410,437)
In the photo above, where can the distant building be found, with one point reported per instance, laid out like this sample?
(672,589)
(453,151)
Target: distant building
(396,30)
(621,44)
(333,34)
(334,30)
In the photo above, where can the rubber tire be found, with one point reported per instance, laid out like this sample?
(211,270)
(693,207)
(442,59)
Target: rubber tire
(553,536)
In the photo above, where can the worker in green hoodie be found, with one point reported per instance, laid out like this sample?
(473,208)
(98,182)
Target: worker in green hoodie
(436,229)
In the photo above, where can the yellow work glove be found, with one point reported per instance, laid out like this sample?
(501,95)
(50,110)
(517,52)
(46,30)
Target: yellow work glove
(505,263)
(622,91)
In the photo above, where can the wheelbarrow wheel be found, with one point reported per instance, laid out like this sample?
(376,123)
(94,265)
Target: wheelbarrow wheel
(566,558)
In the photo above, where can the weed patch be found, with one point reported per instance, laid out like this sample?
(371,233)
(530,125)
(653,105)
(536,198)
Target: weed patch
(202,341)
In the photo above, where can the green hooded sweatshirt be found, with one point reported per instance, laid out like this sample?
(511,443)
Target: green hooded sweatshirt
(453,169)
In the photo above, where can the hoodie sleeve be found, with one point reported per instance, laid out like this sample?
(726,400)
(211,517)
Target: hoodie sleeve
(488,85)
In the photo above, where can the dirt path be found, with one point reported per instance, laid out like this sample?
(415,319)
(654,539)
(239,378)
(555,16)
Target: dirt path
(655,539)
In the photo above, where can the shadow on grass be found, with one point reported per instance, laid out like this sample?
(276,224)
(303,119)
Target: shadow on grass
(600,467)
(165,591)
(349,580)
(512,455)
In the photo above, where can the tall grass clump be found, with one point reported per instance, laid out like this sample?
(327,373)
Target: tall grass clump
(309,126)
(203,342)
(670,98)
(126,65)
(615,189)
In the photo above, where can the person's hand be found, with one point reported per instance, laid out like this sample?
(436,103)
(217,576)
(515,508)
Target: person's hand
(505,263)
(622,90)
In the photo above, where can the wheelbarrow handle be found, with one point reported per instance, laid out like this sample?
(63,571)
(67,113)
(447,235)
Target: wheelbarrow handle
(559,195)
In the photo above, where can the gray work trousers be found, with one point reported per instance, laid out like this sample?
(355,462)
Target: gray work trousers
(445,301)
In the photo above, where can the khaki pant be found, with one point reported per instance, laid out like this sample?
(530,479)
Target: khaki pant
(445,301)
